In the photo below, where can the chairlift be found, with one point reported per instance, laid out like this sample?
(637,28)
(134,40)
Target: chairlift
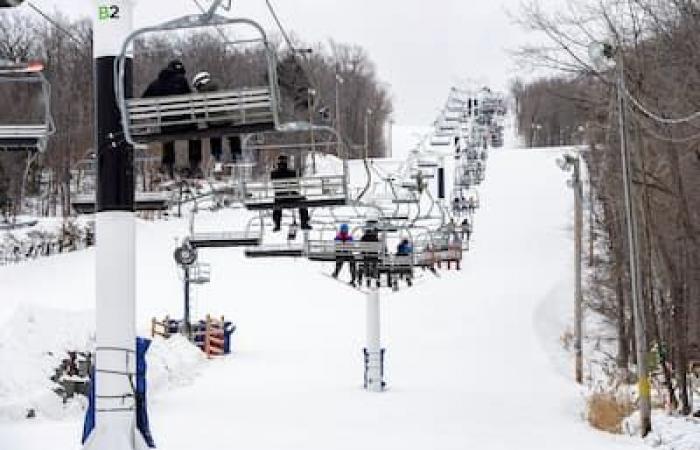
(441,140)
(314,191)
(427,164)
(328,251)
(396,267)
(222,239)
(203,114)
(441,246)
(31,135)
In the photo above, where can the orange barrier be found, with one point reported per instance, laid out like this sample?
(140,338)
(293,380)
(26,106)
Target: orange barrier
(214,336)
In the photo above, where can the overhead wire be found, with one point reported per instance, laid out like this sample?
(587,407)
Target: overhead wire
(656,117)
(218,28)
(56,25)
(660,137)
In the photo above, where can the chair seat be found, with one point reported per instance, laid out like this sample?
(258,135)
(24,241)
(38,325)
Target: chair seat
(200,115)
(224,240)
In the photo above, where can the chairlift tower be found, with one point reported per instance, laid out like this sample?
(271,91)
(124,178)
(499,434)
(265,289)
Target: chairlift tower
(374,353)
(115,402)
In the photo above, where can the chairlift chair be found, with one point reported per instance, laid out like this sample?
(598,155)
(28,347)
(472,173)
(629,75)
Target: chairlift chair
(204,114)
(314,191)
(143,201)
(32,136)
(251,236)
(441,140)
(441,246)
(288,250)
(224,239)
(328,251)
(396,267)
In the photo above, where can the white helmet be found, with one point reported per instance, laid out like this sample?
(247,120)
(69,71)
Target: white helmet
(201,79)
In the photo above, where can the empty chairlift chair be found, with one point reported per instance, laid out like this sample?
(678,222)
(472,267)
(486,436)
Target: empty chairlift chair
(26,123)
(251,236)
(225,239)
(288,250)
(204,114)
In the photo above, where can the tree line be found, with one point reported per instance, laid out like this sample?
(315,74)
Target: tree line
(307,83)
(659,45)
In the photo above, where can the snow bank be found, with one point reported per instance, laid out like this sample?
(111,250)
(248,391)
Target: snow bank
(32,345)
(669,432)
(35,341)
(171,363)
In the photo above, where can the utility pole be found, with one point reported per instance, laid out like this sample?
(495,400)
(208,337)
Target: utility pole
(391,138)
(115,368)
(338,81)
(311,107)
(567,163)
(367,115)
(591,222)
(635,274)
(606,57)
(578,295)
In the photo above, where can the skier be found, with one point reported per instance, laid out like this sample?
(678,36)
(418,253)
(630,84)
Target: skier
(344,236)
(203,82)
(283,172)
(171,81)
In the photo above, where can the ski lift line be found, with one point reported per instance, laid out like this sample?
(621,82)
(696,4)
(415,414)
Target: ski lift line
(55,24)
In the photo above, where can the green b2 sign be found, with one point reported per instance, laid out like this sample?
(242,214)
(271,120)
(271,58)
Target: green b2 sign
(108,12)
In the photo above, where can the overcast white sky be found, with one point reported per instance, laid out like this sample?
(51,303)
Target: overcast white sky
(420,47)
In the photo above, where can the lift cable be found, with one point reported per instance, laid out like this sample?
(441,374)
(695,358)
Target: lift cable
(55,24)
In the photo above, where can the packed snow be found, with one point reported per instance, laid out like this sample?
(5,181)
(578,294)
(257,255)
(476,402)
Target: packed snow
(474,358)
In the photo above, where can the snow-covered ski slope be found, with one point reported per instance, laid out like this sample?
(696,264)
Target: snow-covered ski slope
(473,359)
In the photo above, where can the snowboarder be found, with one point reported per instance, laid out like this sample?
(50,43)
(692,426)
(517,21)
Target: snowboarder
(344,236)
(283,172)
(172,81)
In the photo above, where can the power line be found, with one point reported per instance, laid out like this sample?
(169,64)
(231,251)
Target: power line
(660,137)
(656,117)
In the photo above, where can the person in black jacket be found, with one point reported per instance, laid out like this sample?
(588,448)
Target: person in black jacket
(282,172)
(370,260)
(172,81)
